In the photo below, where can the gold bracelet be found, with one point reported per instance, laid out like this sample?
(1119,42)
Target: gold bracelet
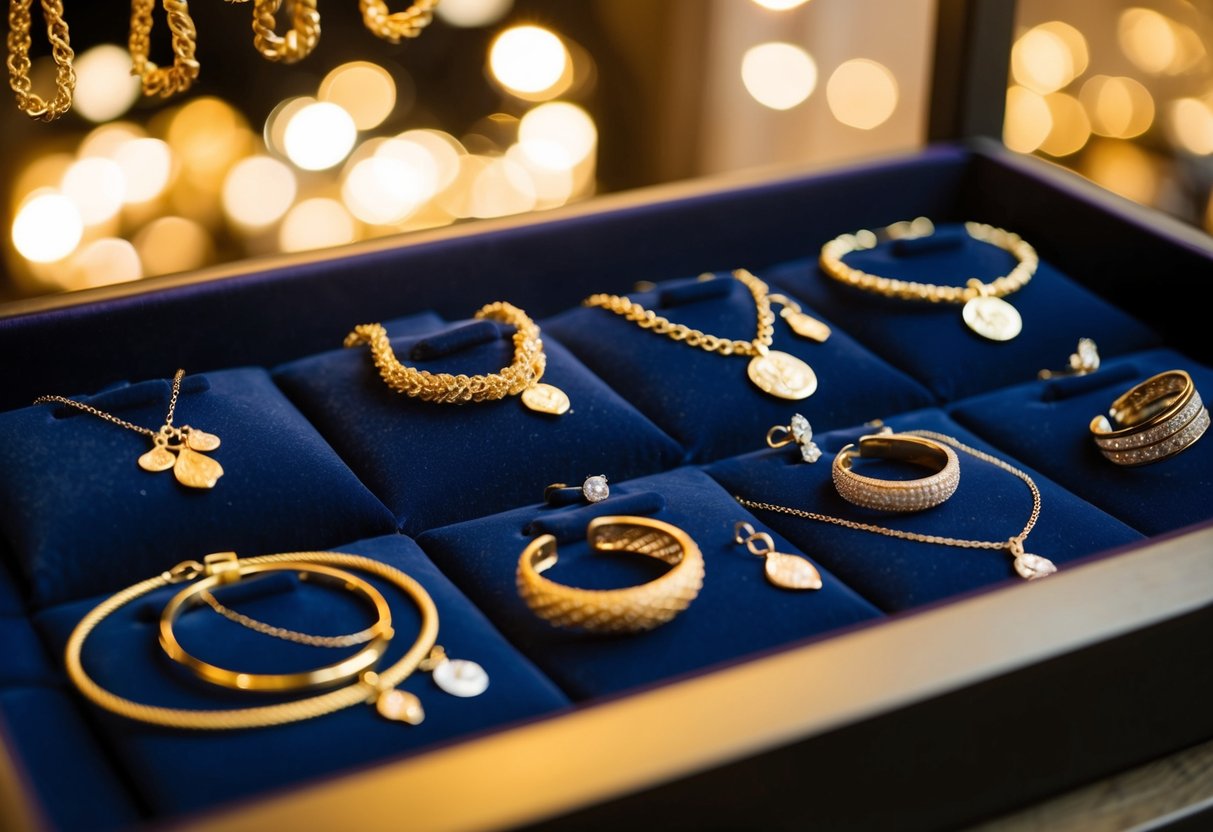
(19,41)
(985,312)
(629,610)
(1152,421)
(897,495)
(374,688)
(226,570)
(300,39)
(163,81)
(521,376)
(396,26)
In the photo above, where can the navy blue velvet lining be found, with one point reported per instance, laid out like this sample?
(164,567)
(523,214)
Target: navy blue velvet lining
(931,342)
(736,613)
(706,400)
(82,517)
(434,464)
(1046,425)
(990,504)
(176,770)
(25,660)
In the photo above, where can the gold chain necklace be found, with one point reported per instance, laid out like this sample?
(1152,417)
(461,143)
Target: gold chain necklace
(777,373)
(985,312)
(19,42)
(181,448)
(1028,566)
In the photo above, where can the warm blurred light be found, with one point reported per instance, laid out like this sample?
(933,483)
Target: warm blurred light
(1028,120)
(779,5)
(456,198)
(45,172)
(1191,125)
(557,135)
(778,75)
(319,135)
(102,263)
(208,135)
(1075,43)
(383,190)
(1041,60)
(1071,127)
(147,166)
(169,245)
(47,227)
(862,93)
(528,60)
(1119,107)
(423,169)
(503,187)
(97,187)
(105,88)
(258,191)
(1157,44)
(472,13)
(444,150)
(106,139)
(553,187)
(274,131)
(316,223)
(1123,168)
(364,90)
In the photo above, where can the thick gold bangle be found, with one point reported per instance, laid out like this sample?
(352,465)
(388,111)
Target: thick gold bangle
(1151,421)
(897,495)
(231,570)
(396,26)
(371,688)
(629,610)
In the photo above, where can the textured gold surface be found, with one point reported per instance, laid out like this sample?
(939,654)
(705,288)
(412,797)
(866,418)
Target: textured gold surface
(897,495)
(19,42)
(163,81)
(396,26)
(299,40)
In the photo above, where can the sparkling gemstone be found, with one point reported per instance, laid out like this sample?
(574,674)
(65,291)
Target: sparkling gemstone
(1087,357)
(461,677)
(801,430)
(1031,567)
(596,489)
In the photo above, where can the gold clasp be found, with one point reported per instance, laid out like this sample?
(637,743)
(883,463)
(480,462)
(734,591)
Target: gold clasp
(187,570)
(223,565)
(1015,546)
(743,533)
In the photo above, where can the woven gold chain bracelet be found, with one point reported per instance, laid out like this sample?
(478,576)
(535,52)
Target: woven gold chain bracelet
(985,312)
(520,377)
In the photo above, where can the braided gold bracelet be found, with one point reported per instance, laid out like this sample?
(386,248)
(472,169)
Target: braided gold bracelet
(520,377)
(379,689)
(985,312)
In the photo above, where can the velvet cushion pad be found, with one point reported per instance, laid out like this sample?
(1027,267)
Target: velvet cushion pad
(736,613)
(180,770)
(435,463)
(931,342)
(83,517)
(989,504)
(706,400)
(73,778)
(1045,423)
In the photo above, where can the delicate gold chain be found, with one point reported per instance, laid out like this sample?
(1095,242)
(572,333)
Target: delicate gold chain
(395,27)
(163,81)
(833,252)
(300,39)
(1009,544)
(168,419)
(19,42)
(647,319)
(366,690)
(350,640)
(525,370)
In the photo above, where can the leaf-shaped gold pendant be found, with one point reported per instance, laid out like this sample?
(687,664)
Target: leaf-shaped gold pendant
(806,326)
(200,440)
(195,470)
(401,706)
(158,458)
(792,572)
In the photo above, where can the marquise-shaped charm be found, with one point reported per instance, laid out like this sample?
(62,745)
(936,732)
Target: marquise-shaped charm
(792,572)
(195,470)
(400,706)
(806,326)
(200,440)
(158,458)
(1031,567)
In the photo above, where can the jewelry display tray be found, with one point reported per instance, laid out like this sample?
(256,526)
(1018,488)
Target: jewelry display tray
(923,687)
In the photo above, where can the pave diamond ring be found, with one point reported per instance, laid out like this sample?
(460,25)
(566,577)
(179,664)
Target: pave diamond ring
(593,490)
(897,495)
(1153,420)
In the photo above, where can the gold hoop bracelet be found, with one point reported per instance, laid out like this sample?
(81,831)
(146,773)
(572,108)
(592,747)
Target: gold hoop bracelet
(397,26)
(520,377)
(19,42)
(300,39)
(897,495)
(163,81)
(228,570)
(374,688)
(630,610)
(1152,421)
(985,312)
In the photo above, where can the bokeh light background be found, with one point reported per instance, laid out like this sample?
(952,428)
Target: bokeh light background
(505,107)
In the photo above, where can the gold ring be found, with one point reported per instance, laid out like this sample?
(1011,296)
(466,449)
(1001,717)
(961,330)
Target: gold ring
(897,495)
(798,431)
(1151,421)
(593,489)
(1084,359)
(629,610)
(229,571)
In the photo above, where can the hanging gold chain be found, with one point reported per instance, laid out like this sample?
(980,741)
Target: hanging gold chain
(19,41)
(300,39)
(647,319)
(350,640)
(396,26)
(109,417)
(1009,544)
(163,81)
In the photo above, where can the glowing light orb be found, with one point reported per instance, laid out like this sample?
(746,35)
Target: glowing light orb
(778,75)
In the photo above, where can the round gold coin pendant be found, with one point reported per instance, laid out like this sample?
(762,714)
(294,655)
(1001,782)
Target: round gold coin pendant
(992,318)
(782,375)
(545,398)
